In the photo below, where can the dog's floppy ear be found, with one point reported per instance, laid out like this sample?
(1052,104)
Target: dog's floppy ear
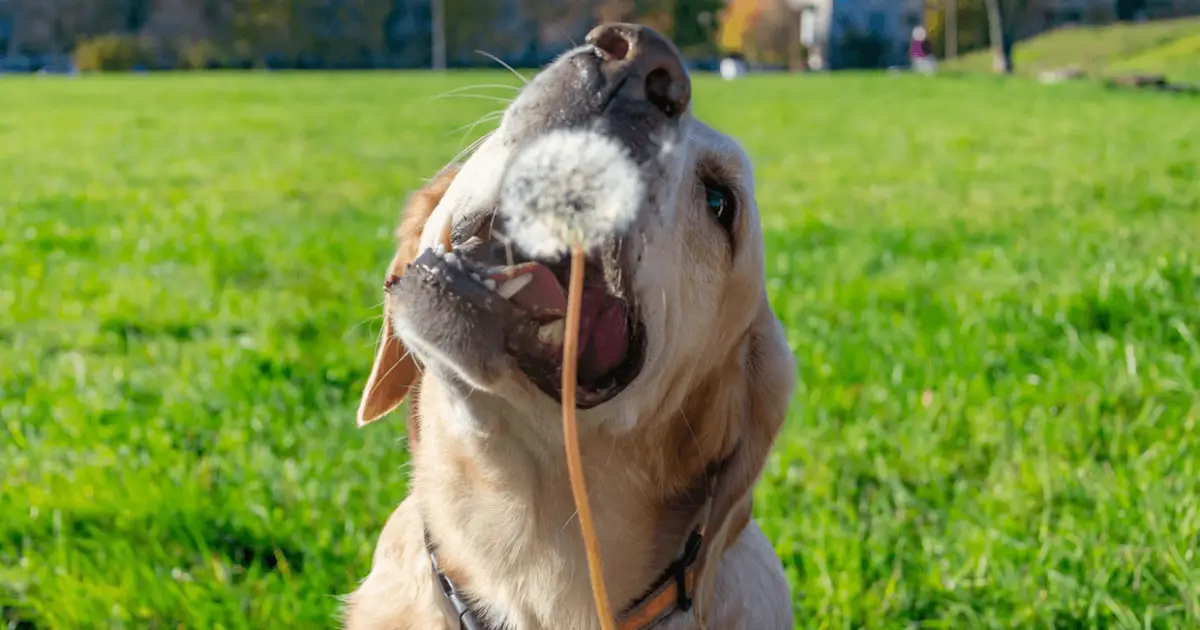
(395,371)
(769,379)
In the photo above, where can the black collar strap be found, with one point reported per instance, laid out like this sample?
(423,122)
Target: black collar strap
(672,592)
(452,601)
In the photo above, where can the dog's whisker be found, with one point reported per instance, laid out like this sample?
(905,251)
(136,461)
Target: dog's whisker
(468,149)
(416,364)
(492,229)
(504,240)
(612,449)
(695,440)
(574,515)
(382,378)
(482,119)
(353,329)
(467,88)
(501,62)
(380,338)
(485,118)
(562,31)
(490,116)
(375,317)
(569,519)
(395,365)
(471,147)
(482,97)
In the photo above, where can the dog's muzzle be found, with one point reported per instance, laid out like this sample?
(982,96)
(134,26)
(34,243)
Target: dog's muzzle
(628,80)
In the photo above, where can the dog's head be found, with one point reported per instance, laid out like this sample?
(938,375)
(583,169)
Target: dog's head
(604,137)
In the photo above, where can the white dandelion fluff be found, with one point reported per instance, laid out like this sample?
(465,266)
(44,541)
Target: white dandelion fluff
(569,186)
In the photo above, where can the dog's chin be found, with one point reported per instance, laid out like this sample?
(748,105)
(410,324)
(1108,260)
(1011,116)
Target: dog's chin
(483,312)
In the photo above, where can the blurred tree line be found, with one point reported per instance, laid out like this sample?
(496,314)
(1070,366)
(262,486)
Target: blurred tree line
(123,34)
(126,34)
(968,18)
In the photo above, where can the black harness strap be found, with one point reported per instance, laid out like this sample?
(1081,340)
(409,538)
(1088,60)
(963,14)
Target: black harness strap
(453,601)
(679,570)
(457,605)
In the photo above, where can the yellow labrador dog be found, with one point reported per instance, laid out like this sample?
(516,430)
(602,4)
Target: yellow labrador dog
(684,372)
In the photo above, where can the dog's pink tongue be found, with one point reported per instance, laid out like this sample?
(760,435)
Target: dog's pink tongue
(543,293)
(603,338)
(603,327)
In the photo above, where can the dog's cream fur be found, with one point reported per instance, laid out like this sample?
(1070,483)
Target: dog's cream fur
(491,480)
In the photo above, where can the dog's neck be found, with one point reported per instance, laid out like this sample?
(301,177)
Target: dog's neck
(498,506)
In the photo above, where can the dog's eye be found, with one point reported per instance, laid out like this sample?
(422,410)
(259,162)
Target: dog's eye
(722,204)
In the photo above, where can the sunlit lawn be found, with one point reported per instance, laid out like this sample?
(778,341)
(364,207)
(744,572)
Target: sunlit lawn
(992,288)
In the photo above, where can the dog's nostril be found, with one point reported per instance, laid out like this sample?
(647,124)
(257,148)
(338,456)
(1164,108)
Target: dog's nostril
(611,43)
(665,92)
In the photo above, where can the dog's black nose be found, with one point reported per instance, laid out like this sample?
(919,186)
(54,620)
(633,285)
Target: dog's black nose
(648,66)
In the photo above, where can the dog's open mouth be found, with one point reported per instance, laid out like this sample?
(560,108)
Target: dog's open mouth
(499,282)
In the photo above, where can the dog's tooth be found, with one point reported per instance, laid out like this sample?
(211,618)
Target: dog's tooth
(446,242)
(489,283)
(450,258)
(511,287)
(553,333)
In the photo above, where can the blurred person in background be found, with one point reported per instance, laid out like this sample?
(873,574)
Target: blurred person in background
(733,67)
(920,52)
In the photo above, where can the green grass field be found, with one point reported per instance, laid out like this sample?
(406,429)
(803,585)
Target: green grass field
(992,288)
(1168,47)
